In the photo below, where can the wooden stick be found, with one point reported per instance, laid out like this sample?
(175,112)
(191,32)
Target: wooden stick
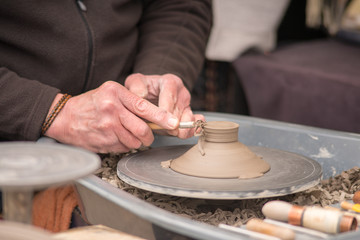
(258,225)
(154,126)
(298,229)
(350,206)
(253,234)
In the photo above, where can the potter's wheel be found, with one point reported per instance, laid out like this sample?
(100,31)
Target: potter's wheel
(289,173)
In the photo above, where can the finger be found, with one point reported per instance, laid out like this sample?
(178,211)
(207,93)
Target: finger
(187,116)
(137,84)
(104,144)
(138,132)
(199,117)
(184,99)
(147,110)
(182,103)
(177,113)
(168,96)
(192,130)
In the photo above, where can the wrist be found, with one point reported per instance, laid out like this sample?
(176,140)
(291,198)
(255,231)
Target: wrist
(55,109)
(55,101)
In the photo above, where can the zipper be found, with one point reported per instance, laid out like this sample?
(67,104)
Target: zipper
(82,10)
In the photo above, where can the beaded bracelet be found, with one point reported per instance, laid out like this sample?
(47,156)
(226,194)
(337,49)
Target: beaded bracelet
(50,118)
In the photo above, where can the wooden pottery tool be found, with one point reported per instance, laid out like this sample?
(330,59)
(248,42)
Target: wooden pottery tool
(154,126)
(350,206)
(259,225)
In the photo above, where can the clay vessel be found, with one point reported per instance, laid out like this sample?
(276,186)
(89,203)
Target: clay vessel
(219,154)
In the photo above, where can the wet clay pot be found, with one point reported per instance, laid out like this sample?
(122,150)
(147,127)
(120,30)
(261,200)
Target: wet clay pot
(219,154)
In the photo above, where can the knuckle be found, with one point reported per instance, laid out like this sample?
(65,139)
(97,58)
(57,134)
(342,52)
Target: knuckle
(132,78)
(173,78)
(107,90)
(174,82)
(142,131)
(137,75)
(109,84)
(141,105)
(107,105)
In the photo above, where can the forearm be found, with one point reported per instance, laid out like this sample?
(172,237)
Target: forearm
(24,105)
(173,37)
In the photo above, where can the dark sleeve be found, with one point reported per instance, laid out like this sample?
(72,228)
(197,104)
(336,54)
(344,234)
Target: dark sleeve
(172,38)
(24,105)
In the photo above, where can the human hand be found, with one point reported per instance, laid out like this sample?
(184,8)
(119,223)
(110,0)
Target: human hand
(108,119)
(169,93)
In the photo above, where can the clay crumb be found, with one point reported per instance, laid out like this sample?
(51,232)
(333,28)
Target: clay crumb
(166,164)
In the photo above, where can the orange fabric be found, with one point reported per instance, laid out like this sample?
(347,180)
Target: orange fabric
(53,207)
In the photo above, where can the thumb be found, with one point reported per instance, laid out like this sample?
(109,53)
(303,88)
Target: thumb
(136,83)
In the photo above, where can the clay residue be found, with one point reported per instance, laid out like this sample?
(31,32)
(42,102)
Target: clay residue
(166,164)
(323,153)
(235,212)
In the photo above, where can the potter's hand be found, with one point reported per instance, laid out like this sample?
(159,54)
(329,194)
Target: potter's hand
(169,93)
(107,119)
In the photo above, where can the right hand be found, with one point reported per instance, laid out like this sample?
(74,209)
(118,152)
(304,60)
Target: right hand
(167,92)
(108,119)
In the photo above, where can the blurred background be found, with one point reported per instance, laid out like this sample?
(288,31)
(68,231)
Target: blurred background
(295,61)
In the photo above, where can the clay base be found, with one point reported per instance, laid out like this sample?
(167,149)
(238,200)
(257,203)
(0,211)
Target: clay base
(221,160)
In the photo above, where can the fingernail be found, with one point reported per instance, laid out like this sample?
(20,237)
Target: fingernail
(173,122)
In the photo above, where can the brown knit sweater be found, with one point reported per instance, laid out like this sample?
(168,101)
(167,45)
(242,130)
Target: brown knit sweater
(51,46)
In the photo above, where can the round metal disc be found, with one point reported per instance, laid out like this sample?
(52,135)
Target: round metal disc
(30,165)
(289,173)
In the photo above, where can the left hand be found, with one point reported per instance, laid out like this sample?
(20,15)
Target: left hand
(169,93)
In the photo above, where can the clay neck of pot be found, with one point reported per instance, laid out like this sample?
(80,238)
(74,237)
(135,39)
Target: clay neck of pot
(221,135)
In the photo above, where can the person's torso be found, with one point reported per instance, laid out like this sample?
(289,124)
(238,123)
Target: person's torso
(72,45)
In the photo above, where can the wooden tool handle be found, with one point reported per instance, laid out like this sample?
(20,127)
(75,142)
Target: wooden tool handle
(350,206)
(154,126)
(260,226)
